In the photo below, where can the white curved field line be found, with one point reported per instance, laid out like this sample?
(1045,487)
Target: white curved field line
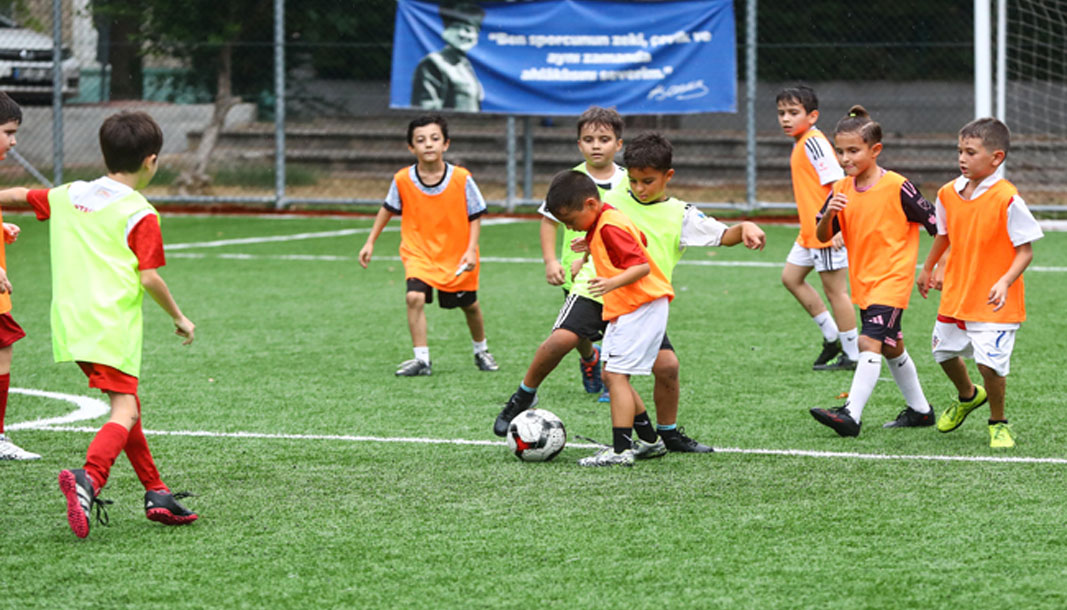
(87,408)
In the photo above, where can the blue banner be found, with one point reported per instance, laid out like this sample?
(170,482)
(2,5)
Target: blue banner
(558,57)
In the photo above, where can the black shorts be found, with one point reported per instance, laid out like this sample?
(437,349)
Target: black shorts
(666,343)
(582,316)
(448,300)
(882,322)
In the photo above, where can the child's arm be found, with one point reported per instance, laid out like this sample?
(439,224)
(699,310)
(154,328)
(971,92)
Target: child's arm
(825,230)
(470,257)
(154,285)
(383,217)
(998,295)
(598,286)
(925,280)
(553,269)
(14,195)
(747,233)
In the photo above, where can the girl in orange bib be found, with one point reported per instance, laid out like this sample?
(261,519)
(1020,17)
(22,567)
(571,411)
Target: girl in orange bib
(878,213)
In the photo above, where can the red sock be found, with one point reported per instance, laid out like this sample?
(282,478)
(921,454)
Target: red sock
(141,458)
(106,446)
(5,383)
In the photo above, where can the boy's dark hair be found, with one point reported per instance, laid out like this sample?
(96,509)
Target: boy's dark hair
(608,117)
(860,121)
(993,133)
(801,94)
(460,12)
(568,190)
(9,110)
(422,121)
(650,149)
(127,139)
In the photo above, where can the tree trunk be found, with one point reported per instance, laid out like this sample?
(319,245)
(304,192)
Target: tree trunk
(196,180)
(127,73)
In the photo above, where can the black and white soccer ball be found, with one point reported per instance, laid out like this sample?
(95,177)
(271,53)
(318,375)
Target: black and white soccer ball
(536,435)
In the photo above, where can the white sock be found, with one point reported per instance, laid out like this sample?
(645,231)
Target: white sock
(481,346)
(423,353)
(907,378)
(826,324)
(850,343)
(868,368)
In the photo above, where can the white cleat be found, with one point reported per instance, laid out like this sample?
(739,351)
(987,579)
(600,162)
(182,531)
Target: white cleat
(607,457)
(11,451)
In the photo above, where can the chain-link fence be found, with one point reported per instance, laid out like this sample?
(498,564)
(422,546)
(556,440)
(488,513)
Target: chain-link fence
(208,72)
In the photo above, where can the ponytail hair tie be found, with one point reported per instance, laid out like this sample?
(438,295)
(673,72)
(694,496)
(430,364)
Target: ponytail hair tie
(852,114)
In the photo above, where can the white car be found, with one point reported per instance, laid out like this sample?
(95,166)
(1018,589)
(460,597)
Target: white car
(26,65)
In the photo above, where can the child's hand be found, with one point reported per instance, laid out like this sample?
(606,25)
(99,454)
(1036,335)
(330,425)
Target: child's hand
(11,232)
(937,278)
(184,327)
(364,254)
(837,203)
(554,273)
(578,244)
(576,266)
(5,284)
(752,236)
(467,263)
(599,286)
(837,241)
(923,282)
(998,295)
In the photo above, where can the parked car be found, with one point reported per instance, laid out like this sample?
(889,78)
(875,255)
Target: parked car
(26,65)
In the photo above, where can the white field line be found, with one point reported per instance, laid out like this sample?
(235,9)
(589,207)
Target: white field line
(436,441)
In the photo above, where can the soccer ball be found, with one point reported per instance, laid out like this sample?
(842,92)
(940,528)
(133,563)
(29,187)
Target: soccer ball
(536,435)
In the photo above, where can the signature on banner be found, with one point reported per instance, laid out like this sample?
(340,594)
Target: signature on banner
(684,91)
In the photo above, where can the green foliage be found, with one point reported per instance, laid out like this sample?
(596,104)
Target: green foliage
(298,346)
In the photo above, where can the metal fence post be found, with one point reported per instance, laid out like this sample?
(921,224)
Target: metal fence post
(527,158)
(57,91)
(509,203)
(750,102)
(279,104)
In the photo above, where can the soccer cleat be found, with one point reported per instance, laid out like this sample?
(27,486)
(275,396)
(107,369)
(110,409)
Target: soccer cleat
(77,487)
(829,350)
(841,363)
(413,368)
(910,418)
(678,442)
(163,507)
(647,451)
(11,451)
(591,380)
(605,396)
(511,408)
(953,417)
(606,456)
(838,419)
(485,362)
(1000,436)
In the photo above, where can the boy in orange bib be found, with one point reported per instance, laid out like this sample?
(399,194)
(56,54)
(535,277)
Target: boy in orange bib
(878,213)
(990,231)
(440,210)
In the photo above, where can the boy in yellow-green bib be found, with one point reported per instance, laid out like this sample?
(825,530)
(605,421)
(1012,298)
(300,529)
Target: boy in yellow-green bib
(106,247)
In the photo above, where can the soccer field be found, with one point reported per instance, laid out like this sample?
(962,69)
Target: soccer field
(323,481)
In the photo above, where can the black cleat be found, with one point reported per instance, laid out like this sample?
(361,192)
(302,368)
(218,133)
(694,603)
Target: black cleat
(910,418)
(678,442)
(513,407)
(163,507)
(841,363)
(829,350)
(838,419)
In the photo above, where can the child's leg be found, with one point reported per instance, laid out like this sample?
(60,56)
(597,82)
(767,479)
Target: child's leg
(549,354)
(794,278)
(956,371)
(835,285)
(666,390)
(996,388)
(906,376)
(585,348)
(5,381)
(111,438)
(623,408)
(141,458)
(868,368)
(416,309)
(474,321)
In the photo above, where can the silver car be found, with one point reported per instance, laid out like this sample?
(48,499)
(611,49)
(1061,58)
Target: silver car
(26,65)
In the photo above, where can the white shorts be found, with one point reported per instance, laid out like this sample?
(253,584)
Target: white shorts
(823,259)
(632,341)
(991,348)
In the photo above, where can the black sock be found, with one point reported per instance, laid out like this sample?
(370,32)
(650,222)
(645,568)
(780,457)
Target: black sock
(643,428)
(973,396)
(622,438)
(994,422)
